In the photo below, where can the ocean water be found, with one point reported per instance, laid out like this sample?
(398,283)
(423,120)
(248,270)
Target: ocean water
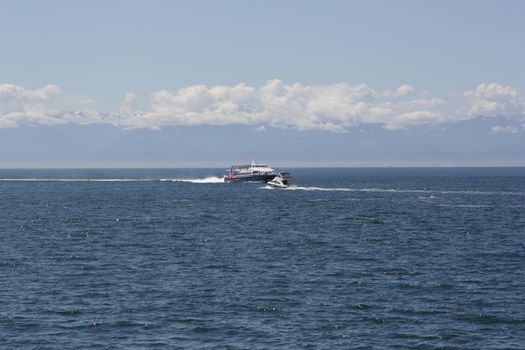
(349,259)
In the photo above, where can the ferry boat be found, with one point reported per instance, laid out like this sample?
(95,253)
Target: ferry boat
(255,172)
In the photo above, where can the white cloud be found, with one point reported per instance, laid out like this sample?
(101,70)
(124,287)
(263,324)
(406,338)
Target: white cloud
(10,92)
(20,106)
(130,104)
(493,100)
(333,107)
(401,91)
(336,107)
(503,130)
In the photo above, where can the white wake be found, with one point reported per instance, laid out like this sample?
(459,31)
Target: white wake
(207,180)
(394,190)
(73,180)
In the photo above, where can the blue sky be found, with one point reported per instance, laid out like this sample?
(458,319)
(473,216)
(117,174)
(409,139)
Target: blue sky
(166,83)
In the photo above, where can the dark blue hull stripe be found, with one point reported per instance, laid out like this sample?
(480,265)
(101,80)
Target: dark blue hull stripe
(253,178)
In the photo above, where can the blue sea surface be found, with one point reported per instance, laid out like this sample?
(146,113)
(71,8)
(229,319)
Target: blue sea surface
(384,258)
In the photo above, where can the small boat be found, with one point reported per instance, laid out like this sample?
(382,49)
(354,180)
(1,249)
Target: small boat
(255,172)
(282,180)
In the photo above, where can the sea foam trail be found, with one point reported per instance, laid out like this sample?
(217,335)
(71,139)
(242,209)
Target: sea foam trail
(207,180)
(466,205)
(393,190)
(295,188)
(75,180)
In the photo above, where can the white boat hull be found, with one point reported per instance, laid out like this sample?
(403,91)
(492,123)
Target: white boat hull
(283,180)
(276,185)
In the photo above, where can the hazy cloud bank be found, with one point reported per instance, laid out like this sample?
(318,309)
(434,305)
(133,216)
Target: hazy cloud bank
(335,107)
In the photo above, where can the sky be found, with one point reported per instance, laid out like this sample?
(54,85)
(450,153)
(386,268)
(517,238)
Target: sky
(298,83)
